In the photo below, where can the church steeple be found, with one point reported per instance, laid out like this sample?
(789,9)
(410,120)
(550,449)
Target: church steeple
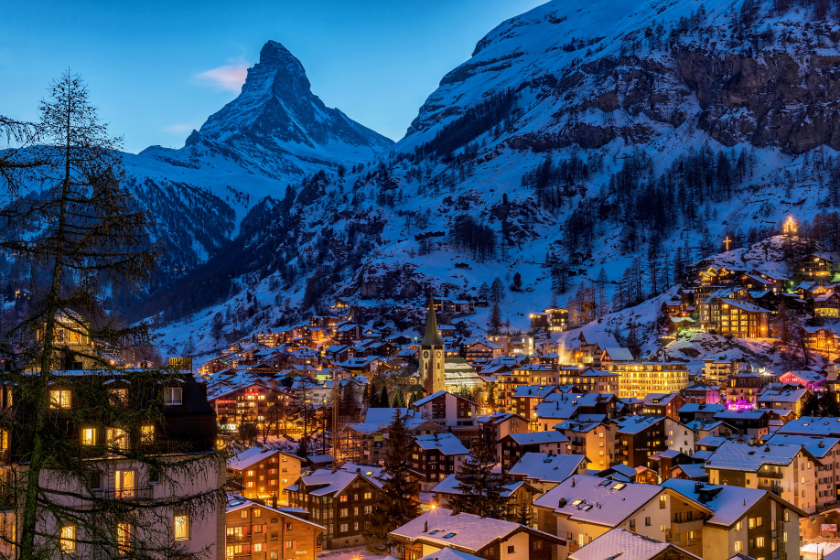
(432,356)
(432,335)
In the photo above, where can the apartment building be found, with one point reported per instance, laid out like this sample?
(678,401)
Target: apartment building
(662,404)
(545,470)
(637,379)
(583,508)
(514,446)
(786,470)
(751,522)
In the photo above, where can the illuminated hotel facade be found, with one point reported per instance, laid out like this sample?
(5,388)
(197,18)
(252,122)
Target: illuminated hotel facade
(637,379)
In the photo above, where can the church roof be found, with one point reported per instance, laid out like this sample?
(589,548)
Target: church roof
(432,336)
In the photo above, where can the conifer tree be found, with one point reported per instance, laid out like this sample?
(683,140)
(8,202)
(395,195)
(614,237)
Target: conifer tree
(399,400)
(494,324)
(480,488)
(398,502)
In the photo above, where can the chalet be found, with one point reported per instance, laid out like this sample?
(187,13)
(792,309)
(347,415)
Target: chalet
(347,333)
(744,387)
(341,501)
(672,308)
(440,532)
(663,404)
(808,289)
(435,457)
(757,283)
(358,365)
(482,350)
(592,345)
(242,403)
(719,276)
(823,339)
(615,355)
(265,474)
(785,399)
(539,322)
(814,266)
(618,541)
(256,531)
(827,305)
(718,371)
(805,378)
(514,446)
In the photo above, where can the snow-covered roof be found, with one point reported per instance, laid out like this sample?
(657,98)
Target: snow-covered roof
(626,470)
(712,441)
(692,470)
(252,456)
(659,399)
(750,458)
(528,438)
(786,396)
(331,482)
(819,447)
(534,391)
(430,398)
(636,424)
(812,426)
(449,486)
(619,354)
(384,416)
(592,499)
(693,408)
(629,546)
(448,444)
(449,554)
(547,468)
(729,503)
(439,527)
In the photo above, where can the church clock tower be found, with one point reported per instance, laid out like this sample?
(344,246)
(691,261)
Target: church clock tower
(432,355)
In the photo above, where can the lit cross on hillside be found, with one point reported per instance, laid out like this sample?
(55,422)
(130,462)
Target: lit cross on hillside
(727,241)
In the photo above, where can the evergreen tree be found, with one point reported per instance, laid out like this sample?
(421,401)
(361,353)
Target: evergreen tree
(384,402)
(480,488)
(398,501)
(601,292)
(497,290)
(348,407)
(303,447)
(399,401)
(484,292)
(633,343)
(494,324)
(560,277)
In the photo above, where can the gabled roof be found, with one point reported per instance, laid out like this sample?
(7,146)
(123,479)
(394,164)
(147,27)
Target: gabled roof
(601,501)
(448,444)
(636,424)
(440,528)
(328,482)
(547,468)
(816,446)
(691,408)
(750,458)
(729,503)
(619,354)
(449,486)
(786,396)
(659,399)
(236,503)
(534,391)
(254,455)
(626,545)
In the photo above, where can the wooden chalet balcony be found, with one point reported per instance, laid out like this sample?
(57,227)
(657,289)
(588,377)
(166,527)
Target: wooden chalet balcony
(146,493)
(237,538)
(770,474)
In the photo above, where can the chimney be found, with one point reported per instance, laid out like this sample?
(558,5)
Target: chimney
(573,482)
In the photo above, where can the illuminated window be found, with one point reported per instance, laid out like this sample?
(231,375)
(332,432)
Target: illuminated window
(88,436)
(68,539)
(147,434)
(182,527)
(60,399)
(119,395)
(123,484)
(117,439)
(123,539)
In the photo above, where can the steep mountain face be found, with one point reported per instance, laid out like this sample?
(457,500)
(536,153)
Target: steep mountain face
(628,135)
(277,127)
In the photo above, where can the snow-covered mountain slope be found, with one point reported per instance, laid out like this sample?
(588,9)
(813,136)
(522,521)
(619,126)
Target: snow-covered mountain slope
(276,132)
(614,134)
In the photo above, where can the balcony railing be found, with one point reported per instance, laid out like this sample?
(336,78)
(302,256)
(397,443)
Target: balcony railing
(770,474)
(125,494)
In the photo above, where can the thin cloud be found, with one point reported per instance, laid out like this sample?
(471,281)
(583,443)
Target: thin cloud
(179,128)
(228,78)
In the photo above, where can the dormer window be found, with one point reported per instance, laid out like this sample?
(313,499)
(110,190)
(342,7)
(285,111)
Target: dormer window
(60,398)
(172,396)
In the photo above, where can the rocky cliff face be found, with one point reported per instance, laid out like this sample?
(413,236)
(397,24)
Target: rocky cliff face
(278,111)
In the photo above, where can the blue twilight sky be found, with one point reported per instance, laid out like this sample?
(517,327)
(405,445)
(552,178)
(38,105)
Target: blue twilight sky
(158,68)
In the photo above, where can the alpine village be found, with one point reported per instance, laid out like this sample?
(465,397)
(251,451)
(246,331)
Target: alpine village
(587,308)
